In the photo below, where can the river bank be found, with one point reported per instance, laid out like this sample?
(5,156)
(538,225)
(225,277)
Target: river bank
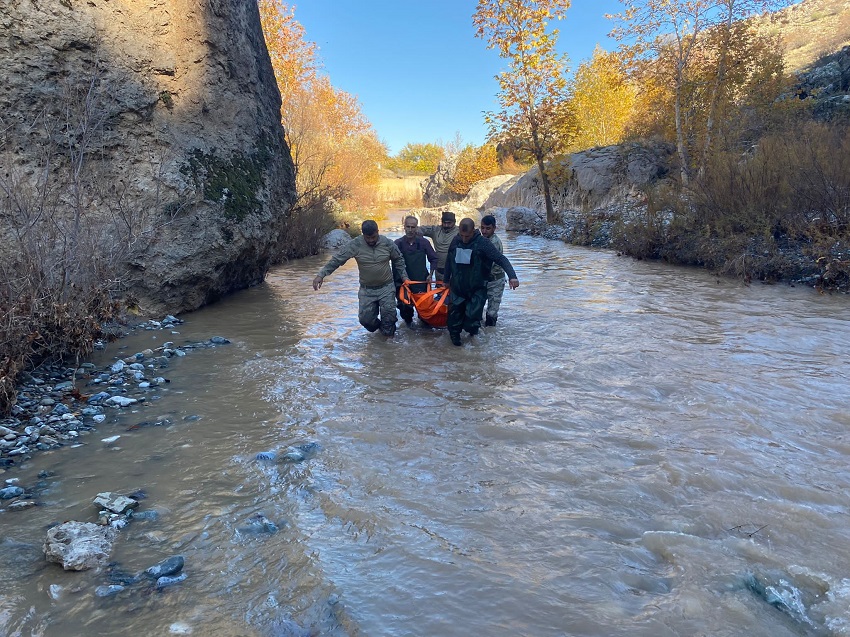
(622,228)
(60,405)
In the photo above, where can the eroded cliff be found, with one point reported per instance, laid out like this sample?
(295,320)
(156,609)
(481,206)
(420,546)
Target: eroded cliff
(149,130)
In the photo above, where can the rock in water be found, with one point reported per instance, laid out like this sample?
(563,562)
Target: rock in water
(167,567)
(79,546)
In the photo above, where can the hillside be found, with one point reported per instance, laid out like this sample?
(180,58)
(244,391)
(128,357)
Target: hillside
(810,30)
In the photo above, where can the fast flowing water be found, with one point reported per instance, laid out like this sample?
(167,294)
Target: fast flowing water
(635,450)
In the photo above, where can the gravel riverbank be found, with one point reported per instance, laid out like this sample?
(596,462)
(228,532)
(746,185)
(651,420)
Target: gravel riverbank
(60,405)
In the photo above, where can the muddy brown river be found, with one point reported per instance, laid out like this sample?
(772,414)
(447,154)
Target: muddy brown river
(635,450)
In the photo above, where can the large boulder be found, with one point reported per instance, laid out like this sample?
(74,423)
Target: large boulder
(589,179)
(481,190)
(522,219)
(158,127)
(79,546)
(435,189)
(335,239)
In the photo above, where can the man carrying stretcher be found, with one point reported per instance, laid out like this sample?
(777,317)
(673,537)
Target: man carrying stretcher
(418,254)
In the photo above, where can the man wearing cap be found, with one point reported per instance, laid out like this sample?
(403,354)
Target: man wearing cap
(374,255)
(442,236)
(469,266)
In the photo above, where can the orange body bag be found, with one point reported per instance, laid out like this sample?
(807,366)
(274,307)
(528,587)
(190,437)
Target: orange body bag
(430,305)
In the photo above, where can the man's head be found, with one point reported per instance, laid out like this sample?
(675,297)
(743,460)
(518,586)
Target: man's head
(410,225)
(448,220)
(370,232)
(466,229)
(488,226)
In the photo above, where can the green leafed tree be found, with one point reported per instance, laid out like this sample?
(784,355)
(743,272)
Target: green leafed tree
(535,80)
(417,159)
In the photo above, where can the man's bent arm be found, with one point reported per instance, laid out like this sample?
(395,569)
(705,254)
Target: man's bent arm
(345,253)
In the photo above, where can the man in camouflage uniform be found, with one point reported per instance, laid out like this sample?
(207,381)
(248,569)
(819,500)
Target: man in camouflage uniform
(495,287)
(442,237)
(376,257)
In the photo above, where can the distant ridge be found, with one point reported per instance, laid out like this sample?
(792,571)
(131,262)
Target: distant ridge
(809,30)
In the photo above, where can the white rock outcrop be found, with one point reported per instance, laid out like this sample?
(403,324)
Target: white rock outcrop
(79,546)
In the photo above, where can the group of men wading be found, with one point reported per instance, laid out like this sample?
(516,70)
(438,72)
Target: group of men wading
(470,262)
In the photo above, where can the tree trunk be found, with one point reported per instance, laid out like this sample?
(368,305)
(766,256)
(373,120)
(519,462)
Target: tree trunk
(544,178)
(680,134)
(719,79)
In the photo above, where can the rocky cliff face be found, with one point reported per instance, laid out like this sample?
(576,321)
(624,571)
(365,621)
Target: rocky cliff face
(156,124)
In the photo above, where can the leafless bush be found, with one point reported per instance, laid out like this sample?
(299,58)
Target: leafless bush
(66,224)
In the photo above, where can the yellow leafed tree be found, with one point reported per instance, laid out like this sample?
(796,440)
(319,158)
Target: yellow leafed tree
(335,150)
(601,102)
(534,83)
(473,164)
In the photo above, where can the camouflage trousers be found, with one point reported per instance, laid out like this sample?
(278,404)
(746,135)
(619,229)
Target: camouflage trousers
(495,290)
(375,301)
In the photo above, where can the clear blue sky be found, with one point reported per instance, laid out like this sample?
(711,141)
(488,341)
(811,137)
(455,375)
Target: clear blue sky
(416,66)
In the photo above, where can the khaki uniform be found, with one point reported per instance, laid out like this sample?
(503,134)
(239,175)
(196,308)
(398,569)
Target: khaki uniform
(496,287)
(377,290)
(442,241)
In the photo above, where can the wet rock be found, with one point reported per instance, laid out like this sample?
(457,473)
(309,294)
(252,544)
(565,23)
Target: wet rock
(294,455)
(145,515)
(79,546)
(259,525)
(121,401)
(7,493)
(219,340)
(20,505)
(114,502)
(100,396)
(108,591)
(164,582)
(166,568)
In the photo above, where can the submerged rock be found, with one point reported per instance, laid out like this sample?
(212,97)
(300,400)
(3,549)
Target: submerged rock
(165,581)
(167,567)
(114,502)
(108,591)
(259,525)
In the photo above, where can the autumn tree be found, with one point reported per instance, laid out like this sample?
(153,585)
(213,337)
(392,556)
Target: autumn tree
(535,80)
(473,165)
(689,46)
(334,148)
(417,159)
(666,31)
(601,102)
(730,19)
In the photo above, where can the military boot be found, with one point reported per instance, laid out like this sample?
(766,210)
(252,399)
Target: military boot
(489,321)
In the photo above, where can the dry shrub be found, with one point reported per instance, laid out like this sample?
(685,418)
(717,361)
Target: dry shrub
(508,165)
(308,226)
(67,224)
(400,192)
(790,194)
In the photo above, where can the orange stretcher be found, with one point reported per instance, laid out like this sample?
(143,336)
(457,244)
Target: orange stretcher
(430,305)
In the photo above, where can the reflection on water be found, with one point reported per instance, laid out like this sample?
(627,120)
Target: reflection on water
(622,455)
